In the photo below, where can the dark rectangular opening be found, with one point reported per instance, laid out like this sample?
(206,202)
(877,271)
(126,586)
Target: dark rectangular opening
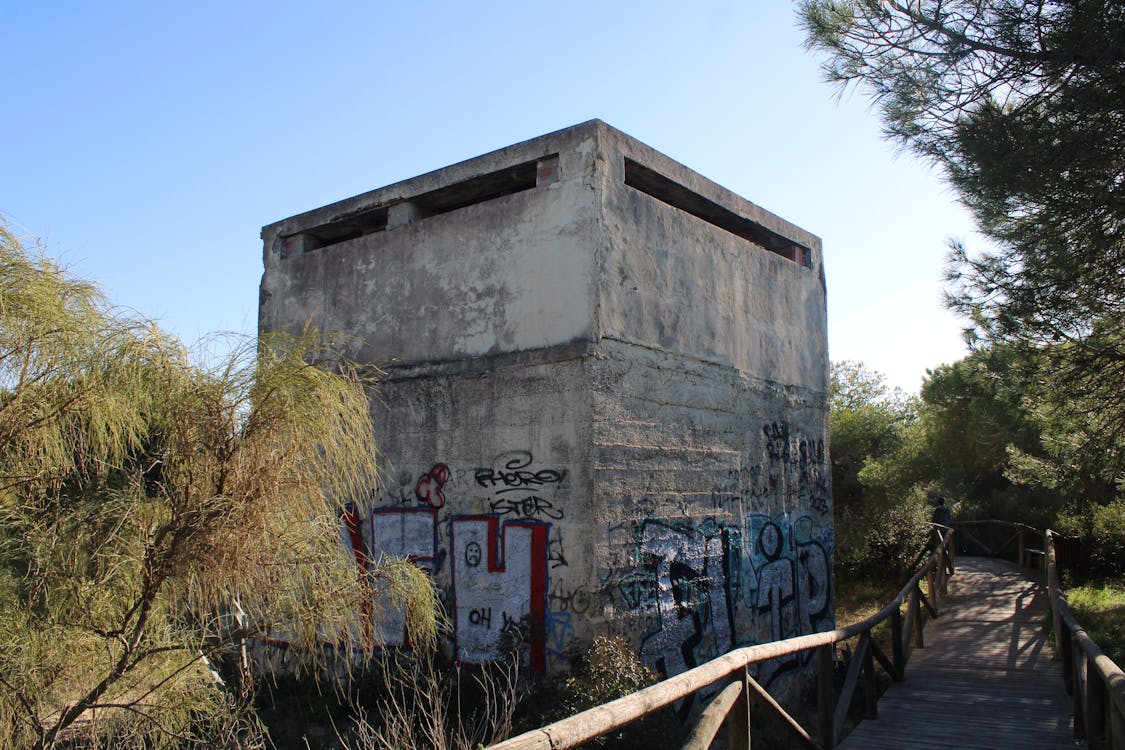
(356,225)
(475,190)
(478,189)
(640,177)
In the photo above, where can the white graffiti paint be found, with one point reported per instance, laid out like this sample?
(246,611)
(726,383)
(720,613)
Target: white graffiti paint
(712,588)
(499,578)
(400,532)
(690,601)
(787,580)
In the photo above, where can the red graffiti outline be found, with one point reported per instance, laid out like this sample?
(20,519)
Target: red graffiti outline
(497,543)
(415,559)
(352,523)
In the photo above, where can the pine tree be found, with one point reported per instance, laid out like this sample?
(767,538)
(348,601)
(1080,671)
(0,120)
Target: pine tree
(1022,104)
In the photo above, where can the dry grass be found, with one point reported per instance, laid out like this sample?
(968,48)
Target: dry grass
(146,492)
(858,600)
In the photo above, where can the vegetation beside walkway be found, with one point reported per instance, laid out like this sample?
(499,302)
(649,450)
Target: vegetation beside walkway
(1100,607)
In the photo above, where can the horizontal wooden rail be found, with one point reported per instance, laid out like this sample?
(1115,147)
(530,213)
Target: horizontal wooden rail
(1089,675)
(587,725)
(1014,536)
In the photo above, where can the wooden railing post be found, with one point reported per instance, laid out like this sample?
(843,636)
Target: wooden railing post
(951,551)
(931,588)
(945,563)
(738,720)
(1079,701)
(1022,558)
(1095,707)
(1053,592)
(1065,648)
(825,703)
(898,654)
(915,617)
(870,686)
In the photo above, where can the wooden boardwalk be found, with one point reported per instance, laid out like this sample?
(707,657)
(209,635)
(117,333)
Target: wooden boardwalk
(986,678)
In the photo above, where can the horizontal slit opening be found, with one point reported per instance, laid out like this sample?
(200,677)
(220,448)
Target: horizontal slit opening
(469,192)
(650,182)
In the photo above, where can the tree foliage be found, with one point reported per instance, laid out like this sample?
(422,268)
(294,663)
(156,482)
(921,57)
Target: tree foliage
(986,435)
(1023,106)
(878,527)
(149,493)
(867,419)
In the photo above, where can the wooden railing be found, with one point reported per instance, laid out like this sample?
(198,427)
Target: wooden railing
(1017,542)
(731,707)
(1095,682)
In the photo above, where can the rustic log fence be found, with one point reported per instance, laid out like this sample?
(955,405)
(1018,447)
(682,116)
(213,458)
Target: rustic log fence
(1095,682)
(1016,542)
(731,706)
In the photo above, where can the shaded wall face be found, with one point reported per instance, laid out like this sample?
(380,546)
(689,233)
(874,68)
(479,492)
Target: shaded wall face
(713,508)
(683,284)
(710,422)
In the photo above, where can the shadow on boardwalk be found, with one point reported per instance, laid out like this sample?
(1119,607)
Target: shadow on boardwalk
(986,678)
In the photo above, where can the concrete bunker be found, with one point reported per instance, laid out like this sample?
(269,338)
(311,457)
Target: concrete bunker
(605,408)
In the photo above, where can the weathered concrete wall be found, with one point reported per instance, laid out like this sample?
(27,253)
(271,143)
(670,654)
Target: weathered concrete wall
(668,280)
(605,408)
(508,274)
(714,501)
(497,457)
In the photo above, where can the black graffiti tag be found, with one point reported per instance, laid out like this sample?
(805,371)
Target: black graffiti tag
(511,473)
(574,600)
(481,616)
(555,550)
(532,506)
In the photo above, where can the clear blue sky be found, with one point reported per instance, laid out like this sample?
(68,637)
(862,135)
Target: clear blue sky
(147,143)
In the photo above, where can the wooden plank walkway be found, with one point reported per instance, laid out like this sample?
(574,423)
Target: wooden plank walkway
(985,679)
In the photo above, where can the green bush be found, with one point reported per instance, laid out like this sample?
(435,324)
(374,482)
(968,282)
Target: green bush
(607,670)
(1102,529)
(882,543)
(1100,609)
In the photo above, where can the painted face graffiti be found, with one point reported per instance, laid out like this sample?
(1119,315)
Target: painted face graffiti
(513,584)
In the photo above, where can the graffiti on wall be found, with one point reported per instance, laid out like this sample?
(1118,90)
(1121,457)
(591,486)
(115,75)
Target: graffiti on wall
(498,559)
(512,472)
(792,470)
(685,568)
(690,588)
(499,579)
(410,533)
(783,576)
(702,590)
(428,488)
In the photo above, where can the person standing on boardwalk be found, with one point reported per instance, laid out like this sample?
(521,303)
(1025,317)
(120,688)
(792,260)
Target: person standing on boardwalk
(942,513)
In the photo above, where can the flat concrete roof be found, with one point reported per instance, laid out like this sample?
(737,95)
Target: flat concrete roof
(514,167)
